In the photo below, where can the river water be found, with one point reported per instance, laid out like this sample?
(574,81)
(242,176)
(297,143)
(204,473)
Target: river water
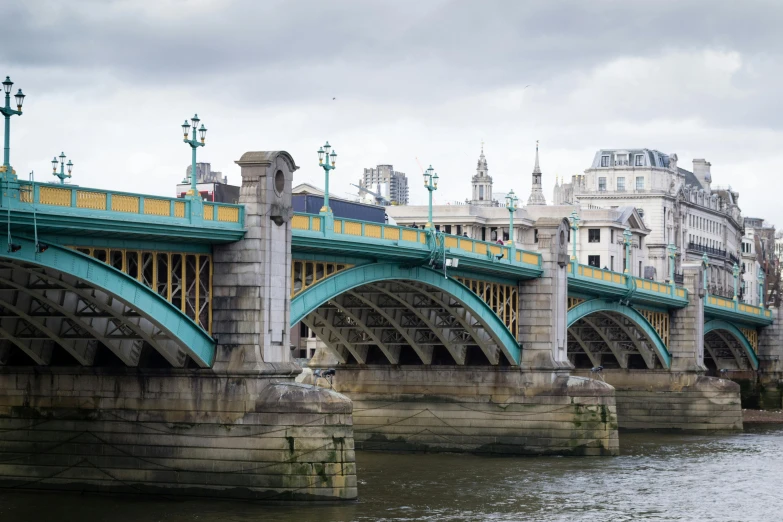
(659,476)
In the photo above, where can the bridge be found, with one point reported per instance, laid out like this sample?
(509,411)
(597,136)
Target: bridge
(144,343)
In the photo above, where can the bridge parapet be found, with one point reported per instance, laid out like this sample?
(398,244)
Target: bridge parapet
(607,283)
(105,210)
(731,310)
(411,244)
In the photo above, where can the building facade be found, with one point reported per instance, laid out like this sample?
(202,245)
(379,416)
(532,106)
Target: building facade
(386,181)
(481,185)
(678,206)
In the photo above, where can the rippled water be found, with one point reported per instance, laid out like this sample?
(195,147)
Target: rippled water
(658,477)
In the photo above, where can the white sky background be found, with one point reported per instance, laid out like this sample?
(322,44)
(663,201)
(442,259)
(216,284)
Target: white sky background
(110,83)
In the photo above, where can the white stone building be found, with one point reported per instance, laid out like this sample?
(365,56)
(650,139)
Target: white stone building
(678,206)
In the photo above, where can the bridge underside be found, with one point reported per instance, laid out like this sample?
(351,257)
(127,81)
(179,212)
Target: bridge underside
(406,322)
(611,340)
(724,351)
(48,317)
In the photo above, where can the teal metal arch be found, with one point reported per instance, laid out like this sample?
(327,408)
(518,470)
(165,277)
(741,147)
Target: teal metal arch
(193,339)
(718,324)
(601,305)
(327,289)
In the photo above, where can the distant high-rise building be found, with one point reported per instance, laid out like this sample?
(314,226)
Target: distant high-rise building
(392,185)
(205,174)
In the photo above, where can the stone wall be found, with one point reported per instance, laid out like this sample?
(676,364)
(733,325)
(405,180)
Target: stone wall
(660,399)
(487,410)
(686,335)
(185,433)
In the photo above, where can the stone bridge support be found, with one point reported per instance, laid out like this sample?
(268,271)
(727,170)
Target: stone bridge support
(680,397)
(241,428)
(770,372)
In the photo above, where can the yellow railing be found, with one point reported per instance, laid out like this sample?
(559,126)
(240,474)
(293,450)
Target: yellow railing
(609,276)
(107,201)
(342,226)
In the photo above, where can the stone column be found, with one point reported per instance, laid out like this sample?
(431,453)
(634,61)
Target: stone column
(543,302)
(770,373)
(252,277)
(686,334)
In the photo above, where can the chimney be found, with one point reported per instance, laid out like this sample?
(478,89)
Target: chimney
(701,169)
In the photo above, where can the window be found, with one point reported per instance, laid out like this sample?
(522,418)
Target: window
(535,235)
(604,161)
(639,182)
(611,236)
(639,160)
(594,261)
(602,184)
(594,235)
(481,192)
(621,184)
(611,263)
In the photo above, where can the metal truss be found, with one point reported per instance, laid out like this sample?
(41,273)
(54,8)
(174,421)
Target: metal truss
(725,351)
(609,339)
(41,309)
(400,315)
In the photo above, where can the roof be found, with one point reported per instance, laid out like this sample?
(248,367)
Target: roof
(690,178)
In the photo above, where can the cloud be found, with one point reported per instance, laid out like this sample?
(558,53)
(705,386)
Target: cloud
(109,83)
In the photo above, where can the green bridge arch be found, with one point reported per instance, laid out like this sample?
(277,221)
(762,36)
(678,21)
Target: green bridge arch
(320,293)
(177,328)
(718,324)
(602,305)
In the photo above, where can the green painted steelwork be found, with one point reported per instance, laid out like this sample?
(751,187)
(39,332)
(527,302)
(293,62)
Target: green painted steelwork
(312,233)
(601,283)
(193,340)
(431,184)
(735,312)
(7,111)
(602,305)
(62,175)
(718,324)
(328,165)
(67,217)
(194,145)
(328,289)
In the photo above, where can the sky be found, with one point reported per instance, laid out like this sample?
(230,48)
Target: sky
(403,82)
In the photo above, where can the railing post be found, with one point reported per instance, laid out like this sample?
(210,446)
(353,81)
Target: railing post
(108,202)
(73,198)
(141,204)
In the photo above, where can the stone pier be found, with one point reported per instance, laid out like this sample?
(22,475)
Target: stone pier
(681,397)
(240,429)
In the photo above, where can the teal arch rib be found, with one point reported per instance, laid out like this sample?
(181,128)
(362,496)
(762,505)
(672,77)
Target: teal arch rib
(717,324)
(194,340)
(330,288)
(601,305)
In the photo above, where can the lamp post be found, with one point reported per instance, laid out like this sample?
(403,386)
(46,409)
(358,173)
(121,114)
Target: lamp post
(706,264)
(627,237)
(762,296)
(62,174)
(323,153)
(511,205)
(574,230)
(672,255)
(8,112)
(431,184)
(736,272)
(194,144)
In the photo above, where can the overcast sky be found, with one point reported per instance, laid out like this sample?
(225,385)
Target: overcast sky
(110,82)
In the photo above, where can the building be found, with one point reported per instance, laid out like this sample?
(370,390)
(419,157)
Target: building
(600,240)
(212,185)
(678,206)
(309,199)
(391,184)
(481,217)
(481,185)
(537,191)
(759,256)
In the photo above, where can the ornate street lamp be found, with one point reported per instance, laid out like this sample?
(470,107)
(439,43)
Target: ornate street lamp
(328,162)
(672,255)
(431,184)
(511,205)
(62,174)
(574,230)
(762,296)
(8,112)
(194,144)
(627,237)
(736,272)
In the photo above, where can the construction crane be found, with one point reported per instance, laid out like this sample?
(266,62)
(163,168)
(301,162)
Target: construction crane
(379,199)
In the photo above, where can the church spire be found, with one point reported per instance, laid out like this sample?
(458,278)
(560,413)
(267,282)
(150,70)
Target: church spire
(482,182)
(537,192)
